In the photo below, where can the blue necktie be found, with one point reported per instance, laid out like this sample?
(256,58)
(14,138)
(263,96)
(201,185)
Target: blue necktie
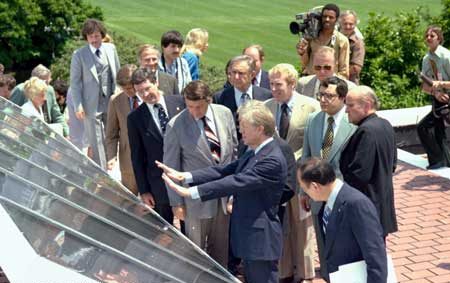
(163,119)
(325,218)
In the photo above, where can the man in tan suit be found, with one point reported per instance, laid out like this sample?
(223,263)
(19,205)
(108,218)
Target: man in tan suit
(324,67)
(291,111)
(116,127)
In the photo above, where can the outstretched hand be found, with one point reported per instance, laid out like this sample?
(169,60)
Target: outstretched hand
(170,172)
(182,191)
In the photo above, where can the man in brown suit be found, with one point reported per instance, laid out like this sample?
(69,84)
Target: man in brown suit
(291,111)
(120,106)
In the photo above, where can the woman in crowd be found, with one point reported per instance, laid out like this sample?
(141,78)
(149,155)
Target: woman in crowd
(195,45)
(34,90)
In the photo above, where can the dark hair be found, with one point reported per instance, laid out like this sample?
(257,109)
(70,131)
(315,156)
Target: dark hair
(141,75)
(92,25)
(60,87)
(124,74)
(172,36)
(341,85)
(316,170)
(332,7)
(9,80)
(197,90)
(437,30)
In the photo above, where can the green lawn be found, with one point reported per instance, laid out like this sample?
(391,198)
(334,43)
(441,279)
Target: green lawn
(233,24)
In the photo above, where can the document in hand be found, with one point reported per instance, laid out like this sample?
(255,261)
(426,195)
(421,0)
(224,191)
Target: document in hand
(356,272)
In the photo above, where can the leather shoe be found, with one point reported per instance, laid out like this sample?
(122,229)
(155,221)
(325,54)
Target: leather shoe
(289,279)
(436,165)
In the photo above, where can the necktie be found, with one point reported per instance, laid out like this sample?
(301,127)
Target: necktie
(163,119)
(254,81)
(284,121)
(328,139)
(97,53)
(213,141)
(135,102)
(325,218)
(45,112)
(244,98)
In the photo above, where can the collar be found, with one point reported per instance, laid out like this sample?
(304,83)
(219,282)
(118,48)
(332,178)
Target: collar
(337,117)
(249,91)
(209,115)
(258,77)
(334,193)
(161,101)
(290,102)
(264,143)
(367,118)
(93,49)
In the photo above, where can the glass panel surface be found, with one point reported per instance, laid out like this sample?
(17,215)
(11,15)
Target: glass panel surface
(76,215)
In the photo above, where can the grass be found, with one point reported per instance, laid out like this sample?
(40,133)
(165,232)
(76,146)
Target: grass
(233,25)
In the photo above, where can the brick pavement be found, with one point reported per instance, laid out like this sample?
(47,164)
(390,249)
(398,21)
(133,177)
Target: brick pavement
(421,248)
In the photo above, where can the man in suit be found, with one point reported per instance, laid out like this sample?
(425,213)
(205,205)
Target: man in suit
(7,84)
(148,57)
(348,221)
(120,105)
(93,72)
(291,111)
(324,67)
(146,128)
(261,78)
(171,62)
(242,70)
(202,135)
(256,181)
(52,113)
(326,134)
(370,156)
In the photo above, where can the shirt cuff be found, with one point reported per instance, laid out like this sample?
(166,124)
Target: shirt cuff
(194,192)
(188,178)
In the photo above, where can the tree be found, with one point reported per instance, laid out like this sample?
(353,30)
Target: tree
(34,31)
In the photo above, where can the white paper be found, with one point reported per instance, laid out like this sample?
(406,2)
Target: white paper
(356,272)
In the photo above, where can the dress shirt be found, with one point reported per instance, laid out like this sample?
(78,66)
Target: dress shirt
(258,78)
(290,104)
(238,94)
(93,49)
(209,120)
(29,108)
(154,111)
(337,121)
(333,195)
(130,101)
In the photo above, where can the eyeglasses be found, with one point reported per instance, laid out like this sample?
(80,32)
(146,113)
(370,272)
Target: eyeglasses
(327,96)
(324,67)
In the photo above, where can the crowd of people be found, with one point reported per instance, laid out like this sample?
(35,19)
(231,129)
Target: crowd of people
(251,172)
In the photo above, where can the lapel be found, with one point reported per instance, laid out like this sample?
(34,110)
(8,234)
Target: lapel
(342,135)
(194,134)
(317,134)
(149,123)
(124,105)
(221,132)
(244,160)
(334,221)
(110,59)
(229,101)
(89,58)
(173,108)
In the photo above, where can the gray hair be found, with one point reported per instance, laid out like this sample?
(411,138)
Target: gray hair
(244,58)
(41,72)
(367,94)
(257,114)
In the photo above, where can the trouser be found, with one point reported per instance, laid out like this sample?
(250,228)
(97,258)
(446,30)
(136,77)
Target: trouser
(129,181)
(431,131)
(165,211)
(261,271)
(95,131)
(210,234)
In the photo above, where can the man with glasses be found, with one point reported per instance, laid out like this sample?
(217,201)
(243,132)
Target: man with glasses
(146,128)
(324,67)
(291,111)
(326,134)
(328,36)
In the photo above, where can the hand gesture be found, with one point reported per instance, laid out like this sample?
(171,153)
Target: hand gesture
(171,173)
(182,191)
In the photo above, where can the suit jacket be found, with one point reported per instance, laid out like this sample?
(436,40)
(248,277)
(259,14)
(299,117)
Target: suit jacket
(256,183)
(186,149)
(368,162)
(265,82)
(53,110)
(308,85)
(313,141)
(117,131)
(167,84)
(303,106)
(354,233)
(84,83)
(146,143)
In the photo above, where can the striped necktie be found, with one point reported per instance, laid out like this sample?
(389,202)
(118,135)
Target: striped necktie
(163,119)
(328,139)
(325,218)
(244,98)
(135,102)
(213,141)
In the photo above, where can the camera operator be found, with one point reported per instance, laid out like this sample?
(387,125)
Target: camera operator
(328,36)
(347,23)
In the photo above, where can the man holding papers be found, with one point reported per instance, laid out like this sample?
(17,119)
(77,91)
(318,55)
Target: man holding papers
(349,221)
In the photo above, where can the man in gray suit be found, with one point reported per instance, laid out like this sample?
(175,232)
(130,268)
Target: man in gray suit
(326,134)
(92,81)
(148,57)
(202,135)
(291,111)
(324,67)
